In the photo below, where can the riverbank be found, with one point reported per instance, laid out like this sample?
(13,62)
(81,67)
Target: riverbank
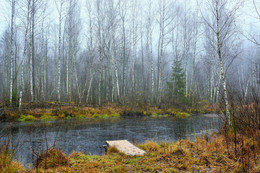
(66,111)
(206,154)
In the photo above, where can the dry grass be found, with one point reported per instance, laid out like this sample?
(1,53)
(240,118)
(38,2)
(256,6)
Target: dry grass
(200,156)
(150,146)
(51,159)
(7,164)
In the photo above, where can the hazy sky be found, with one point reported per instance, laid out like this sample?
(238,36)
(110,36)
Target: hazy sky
(247,20)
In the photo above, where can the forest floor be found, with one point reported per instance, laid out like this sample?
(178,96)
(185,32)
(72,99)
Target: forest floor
(67,111)
(214,154)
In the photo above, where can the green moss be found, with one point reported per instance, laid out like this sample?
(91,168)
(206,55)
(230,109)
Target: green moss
(68,118)
(26,118)
(90,157)
(154,114)
(48,117)
(182,115)
(115,115)
(81,116)
(95,116)
(105,116)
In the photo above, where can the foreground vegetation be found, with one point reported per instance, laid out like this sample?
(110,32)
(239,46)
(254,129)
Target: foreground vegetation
(32,112)
(206,154)
(234,148)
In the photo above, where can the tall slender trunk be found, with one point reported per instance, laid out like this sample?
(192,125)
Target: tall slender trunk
(67,76)
(221,67)
(159,83)
(116,74)
(152,64)
(6,73)
(89,87)
(46,68)
(59,58)
(12,50)
(114,60)
(124,61)
(143,75)
(25,45)
(76,77)
(31,67)
(33,52)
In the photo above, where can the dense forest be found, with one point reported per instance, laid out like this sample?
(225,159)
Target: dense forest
(152,52)
(144,53)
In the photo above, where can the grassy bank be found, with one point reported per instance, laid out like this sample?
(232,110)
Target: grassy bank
(203,155)
(53,112)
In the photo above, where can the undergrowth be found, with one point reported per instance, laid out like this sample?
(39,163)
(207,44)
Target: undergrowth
(7,162)
(203,155)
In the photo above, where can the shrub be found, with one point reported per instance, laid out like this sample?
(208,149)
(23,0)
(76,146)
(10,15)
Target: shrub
(51,158)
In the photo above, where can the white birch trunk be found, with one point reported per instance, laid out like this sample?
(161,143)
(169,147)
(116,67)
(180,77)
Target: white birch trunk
(31,68)
(221,68)
(59,56)
(12,50)
(25,45)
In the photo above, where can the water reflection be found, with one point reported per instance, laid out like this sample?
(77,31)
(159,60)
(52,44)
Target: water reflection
(90,136)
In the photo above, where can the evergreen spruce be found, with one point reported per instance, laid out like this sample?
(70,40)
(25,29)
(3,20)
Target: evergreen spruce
(176,85)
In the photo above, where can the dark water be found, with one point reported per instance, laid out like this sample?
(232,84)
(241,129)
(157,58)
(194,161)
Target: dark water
(89,136)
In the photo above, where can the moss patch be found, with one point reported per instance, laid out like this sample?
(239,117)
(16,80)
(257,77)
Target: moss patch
(48,117)
(26,118)
(182,115)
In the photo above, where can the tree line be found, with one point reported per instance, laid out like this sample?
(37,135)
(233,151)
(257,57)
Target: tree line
(143,52)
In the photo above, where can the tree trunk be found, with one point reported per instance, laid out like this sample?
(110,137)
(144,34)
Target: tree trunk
(59,58)
(222,69)
(12,51)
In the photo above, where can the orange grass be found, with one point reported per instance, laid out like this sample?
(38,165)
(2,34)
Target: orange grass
(201,156)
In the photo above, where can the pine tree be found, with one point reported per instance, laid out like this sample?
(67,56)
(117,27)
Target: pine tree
(177,84)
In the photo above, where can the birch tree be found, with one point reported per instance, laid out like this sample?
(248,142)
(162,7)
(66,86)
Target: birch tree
(12,49)
(60,9)
(165,19)
(223,15)
(25,19)
(149,45)
(123,15)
